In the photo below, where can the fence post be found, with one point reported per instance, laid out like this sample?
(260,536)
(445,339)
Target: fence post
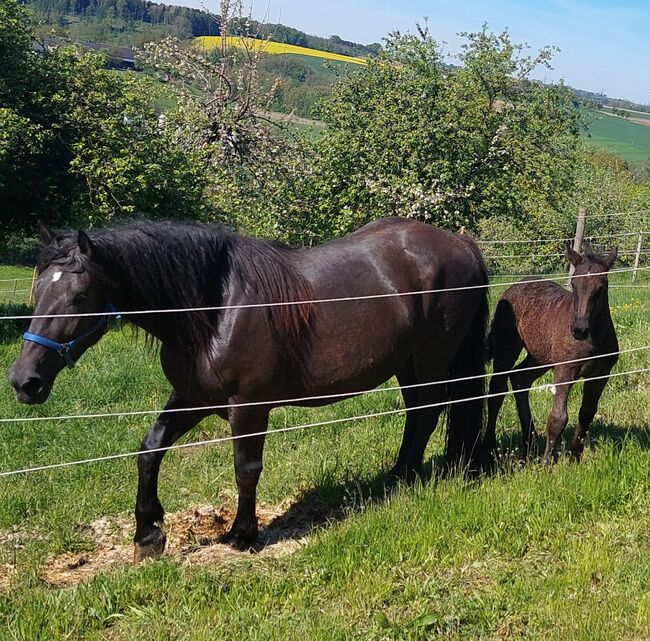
(15,287)
(639,242)
(577,240)
(31,289)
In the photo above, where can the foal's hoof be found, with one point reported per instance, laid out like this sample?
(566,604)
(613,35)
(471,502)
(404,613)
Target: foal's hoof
(242,539)
(152,548)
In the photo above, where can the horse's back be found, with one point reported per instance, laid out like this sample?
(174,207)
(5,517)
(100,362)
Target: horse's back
(540,312)
(406,245)
(363,342)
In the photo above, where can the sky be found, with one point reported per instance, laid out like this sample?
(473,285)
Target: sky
(604,45)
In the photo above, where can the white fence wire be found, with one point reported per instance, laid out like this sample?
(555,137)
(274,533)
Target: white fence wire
(225,439)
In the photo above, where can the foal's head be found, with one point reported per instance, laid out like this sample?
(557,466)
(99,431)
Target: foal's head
(69,282)
(589,289)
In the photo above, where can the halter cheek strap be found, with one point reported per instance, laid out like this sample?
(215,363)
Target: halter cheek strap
(63,349)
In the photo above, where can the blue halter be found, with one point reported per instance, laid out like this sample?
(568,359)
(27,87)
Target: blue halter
(63,349)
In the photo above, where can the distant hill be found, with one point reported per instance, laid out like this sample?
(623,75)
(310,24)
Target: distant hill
(123,21)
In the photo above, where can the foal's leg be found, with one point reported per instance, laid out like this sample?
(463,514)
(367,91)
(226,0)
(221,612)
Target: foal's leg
(521,382)
(497,390)
(505,345)
(590,397)
(248,467)
(149,537)
(558,417)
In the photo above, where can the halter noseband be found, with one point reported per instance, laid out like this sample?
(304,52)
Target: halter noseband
(63,349)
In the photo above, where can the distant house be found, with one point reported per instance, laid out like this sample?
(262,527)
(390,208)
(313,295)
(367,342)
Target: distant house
(118,57)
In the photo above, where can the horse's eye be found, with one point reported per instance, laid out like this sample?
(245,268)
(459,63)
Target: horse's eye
(79,299)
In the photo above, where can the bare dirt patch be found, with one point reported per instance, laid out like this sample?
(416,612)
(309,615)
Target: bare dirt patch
(192,539)
(640,121)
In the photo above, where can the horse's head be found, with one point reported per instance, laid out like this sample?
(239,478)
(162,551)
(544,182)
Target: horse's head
(589,289)
(69,281)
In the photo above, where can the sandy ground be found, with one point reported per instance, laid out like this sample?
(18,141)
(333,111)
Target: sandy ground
(192,539)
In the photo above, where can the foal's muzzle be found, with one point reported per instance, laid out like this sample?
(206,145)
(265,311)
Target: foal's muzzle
(580,332)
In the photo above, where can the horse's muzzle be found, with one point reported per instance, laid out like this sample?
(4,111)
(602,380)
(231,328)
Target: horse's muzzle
(31,390)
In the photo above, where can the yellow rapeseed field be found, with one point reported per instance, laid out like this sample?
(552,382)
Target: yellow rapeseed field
(206,43)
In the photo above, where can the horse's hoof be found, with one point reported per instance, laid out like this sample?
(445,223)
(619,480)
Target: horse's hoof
(242,539)
(151,549)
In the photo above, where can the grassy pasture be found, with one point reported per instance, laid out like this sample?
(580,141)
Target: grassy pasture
(15,283)
(530,552)
(629,140)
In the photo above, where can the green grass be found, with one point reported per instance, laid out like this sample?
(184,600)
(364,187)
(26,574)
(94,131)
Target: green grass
(13,286)
(529,553)
(629,140)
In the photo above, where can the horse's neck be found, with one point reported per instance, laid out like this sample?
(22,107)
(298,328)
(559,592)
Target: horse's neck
(603,326)
(159,325)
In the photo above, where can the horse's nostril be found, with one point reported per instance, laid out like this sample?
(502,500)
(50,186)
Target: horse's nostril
(33,385)
(580,333)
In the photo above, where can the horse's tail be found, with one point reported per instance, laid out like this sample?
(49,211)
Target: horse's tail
(465,419)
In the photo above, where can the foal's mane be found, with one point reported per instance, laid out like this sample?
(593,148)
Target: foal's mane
(599,259)
(168,265)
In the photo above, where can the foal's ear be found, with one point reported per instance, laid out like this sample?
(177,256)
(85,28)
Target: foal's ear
(86,246)
(574,257)
(611,257)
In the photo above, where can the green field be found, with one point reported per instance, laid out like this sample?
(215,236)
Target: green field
(530,553)
(629,140)
(15,283)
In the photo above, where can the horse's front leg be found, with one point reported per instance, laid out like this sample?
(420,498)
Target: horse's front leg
(248,467)
(563,379)
(590,397)
(149,537)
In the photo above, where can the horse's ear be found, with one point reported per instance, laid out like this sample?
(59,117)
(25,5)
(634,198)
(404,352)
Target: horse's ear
(611,257)
(574,257)
(86,246)
(47,235)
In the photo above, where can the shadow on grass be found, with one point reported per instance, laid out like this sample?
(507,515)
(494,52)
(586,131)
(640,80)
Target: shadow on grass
(332,501)
(509,445)
(328,502)
(601,433)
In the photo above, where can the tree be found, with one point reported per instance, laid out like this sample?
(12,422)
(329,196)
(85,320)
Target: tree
(82,144)
(412,136)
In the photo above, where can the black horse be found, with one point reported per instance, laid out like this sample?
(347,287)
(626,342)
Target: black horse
(269,353)
(554,326)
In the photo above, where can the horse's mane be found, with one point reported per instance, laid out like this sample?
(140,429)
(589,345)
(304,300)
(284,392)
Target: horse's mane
(167,265)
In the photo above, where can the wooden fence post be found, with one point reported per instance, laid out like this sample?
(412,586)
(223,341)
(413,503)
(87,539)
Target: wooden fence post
(577,240)
(31,289)
(15,287)
(639,243)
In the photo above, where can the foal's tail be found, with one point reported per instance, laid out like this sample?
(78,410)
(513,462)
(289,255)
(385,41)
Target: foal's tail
(465,419)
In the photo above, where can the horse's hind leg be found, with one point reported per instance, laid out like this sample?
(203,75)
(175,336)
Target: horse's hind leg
(149,537)
(522,379)
(406,378)
(420,424)
(506,346)
(248,467)
(590,397)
